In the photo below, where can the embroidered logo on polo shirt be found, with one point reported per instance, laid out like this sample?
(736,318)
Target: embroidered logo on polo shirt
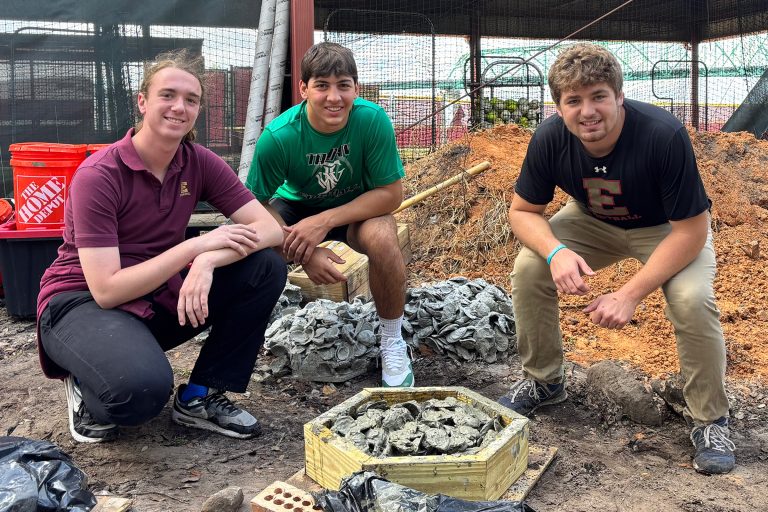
(184,190)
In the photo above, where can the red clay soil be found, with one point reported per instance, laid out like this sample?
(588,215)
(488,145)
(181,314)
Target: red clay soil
(463,231)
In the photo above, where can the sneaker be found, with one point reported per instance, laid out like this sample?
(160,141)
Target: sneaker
(82,426)
(527,395)
(714,451)
(214,412)
(396,369)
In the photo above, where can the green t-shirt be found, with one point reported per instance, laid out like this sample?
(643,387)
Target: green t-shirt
(294,162)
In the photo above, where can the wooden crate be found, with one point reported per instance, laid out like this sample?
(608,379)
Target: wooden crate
(485,475)
(355,268)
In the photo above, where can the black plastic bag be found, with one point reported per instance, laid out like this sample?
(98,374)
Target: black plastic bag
(368,492)
(38,476)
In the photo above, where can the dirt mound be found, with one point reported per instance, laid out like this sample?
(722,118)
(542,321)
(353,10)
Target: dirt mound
(463,231)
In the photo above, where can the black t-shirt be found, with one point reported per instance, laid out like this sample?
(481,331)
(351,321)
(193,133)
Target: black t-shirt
(649,178)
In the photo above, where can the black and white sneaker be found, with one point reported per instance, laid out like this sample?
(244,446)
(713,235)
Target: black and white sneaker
(714,450)
(82,426)
(527,395)
(214,412)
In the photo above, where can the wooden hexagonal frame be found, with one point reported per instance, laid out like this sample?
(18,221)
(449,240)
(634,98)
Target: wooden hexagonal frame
(485,475)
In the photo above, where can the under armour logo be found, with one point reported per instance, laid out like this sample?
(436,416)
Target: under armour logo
(603,169)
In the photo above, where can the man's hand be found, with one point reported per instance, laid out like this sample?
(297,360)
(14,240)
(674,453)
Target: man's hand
(229,236)
(612,310)
(567,267)
(320,269)
(302,238)
(193,296)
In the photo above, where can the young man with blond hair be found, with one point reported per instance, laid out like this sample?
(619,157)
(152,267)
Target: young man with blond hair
(127,286)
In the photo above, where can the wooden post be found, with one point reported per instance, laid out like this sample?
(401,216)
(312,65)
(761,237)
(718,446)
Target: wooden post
(302,38)
(477,169)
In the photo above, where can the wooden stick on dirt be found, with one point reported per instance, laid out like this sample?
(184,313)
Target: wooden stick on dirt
(477,169)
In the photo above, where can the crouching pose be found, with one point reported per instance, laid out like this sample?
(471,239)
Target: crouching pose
(636,193)
(328,169)
(127,286)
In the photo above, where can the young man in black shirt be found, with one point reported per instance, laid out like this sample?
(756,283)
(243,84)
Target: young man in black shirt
(635,193)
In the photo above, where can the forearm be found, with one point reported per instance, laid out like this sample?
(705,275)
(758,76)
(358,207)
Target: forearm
(270,236)
(112,285)
(280,222)
(132,282)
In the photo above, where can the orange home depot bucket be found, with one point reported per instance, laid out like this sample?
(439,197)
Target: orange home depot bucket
(42,173)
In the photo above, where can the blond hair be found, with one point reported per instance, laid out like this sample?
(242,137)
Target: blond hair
(184,60)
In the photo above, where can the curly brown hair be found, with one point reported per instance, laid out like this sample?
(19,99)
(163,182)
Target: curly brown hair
(581,65)
(184,60)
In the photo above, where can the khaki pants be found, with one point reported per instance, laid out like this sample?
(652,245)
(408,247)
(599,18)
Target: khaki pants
(690,306)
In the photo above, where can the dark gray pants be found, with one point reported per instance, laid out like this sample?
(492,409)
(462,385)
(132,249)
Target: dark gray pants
(119,359)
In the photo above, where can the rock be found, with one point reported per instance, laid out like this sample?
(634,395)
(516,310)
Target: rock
(747,445)
(752,249)
(617,393)
(671,391)
(226,500)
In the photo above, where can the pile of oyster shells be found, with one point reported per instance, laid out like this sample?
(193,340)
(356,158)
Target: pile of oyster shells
(434,427)
(461,318)
(288,303)
(326,341)
(329,341)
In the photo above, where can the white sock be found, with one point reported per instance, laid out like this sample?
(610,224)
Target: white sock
(391,328)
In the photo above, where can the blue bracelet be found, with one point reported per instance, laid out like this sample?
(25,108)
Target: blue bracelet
(554,251)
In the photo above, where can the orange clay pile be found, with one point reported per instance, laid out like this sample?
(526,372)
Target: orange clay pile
(463,231)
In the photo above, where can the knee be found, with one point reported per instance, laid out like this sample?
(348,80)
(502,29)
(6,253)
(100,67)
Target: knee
(377,238)
(692,307)
(267,270)
(136,398)
(694,299)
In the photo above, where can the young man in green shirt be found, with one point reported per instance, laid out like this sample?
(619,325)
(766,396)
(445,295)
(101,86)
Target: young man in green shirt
(328,169)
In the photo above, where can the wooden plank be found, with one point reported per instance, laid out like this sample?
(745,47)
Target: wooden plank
(357,277)
(539,459)
(506,464)
(354,263)
(435,474)
(302,481)
(355,268)
(112,504)
(329,458)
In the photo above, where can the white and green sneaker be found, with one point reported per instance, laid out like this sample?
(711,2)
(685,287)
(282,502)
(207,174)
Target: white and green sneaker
(396,369)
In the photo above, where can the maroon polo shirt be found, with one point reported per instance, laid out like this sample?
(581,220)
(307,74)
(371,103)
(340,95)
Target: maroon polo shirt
(114,201)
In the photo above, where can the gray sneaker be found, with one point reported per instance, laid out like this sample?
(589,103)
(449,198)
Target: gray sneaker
(214,412)
(82,426)
(714,451)
(527,395)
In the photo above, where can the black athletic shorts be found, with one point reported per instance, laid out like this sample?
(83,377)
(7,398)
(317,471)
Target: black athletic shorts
(294,211)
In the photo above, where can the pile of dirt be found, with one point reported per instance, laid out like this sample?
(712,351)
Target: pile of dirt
(464,231)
